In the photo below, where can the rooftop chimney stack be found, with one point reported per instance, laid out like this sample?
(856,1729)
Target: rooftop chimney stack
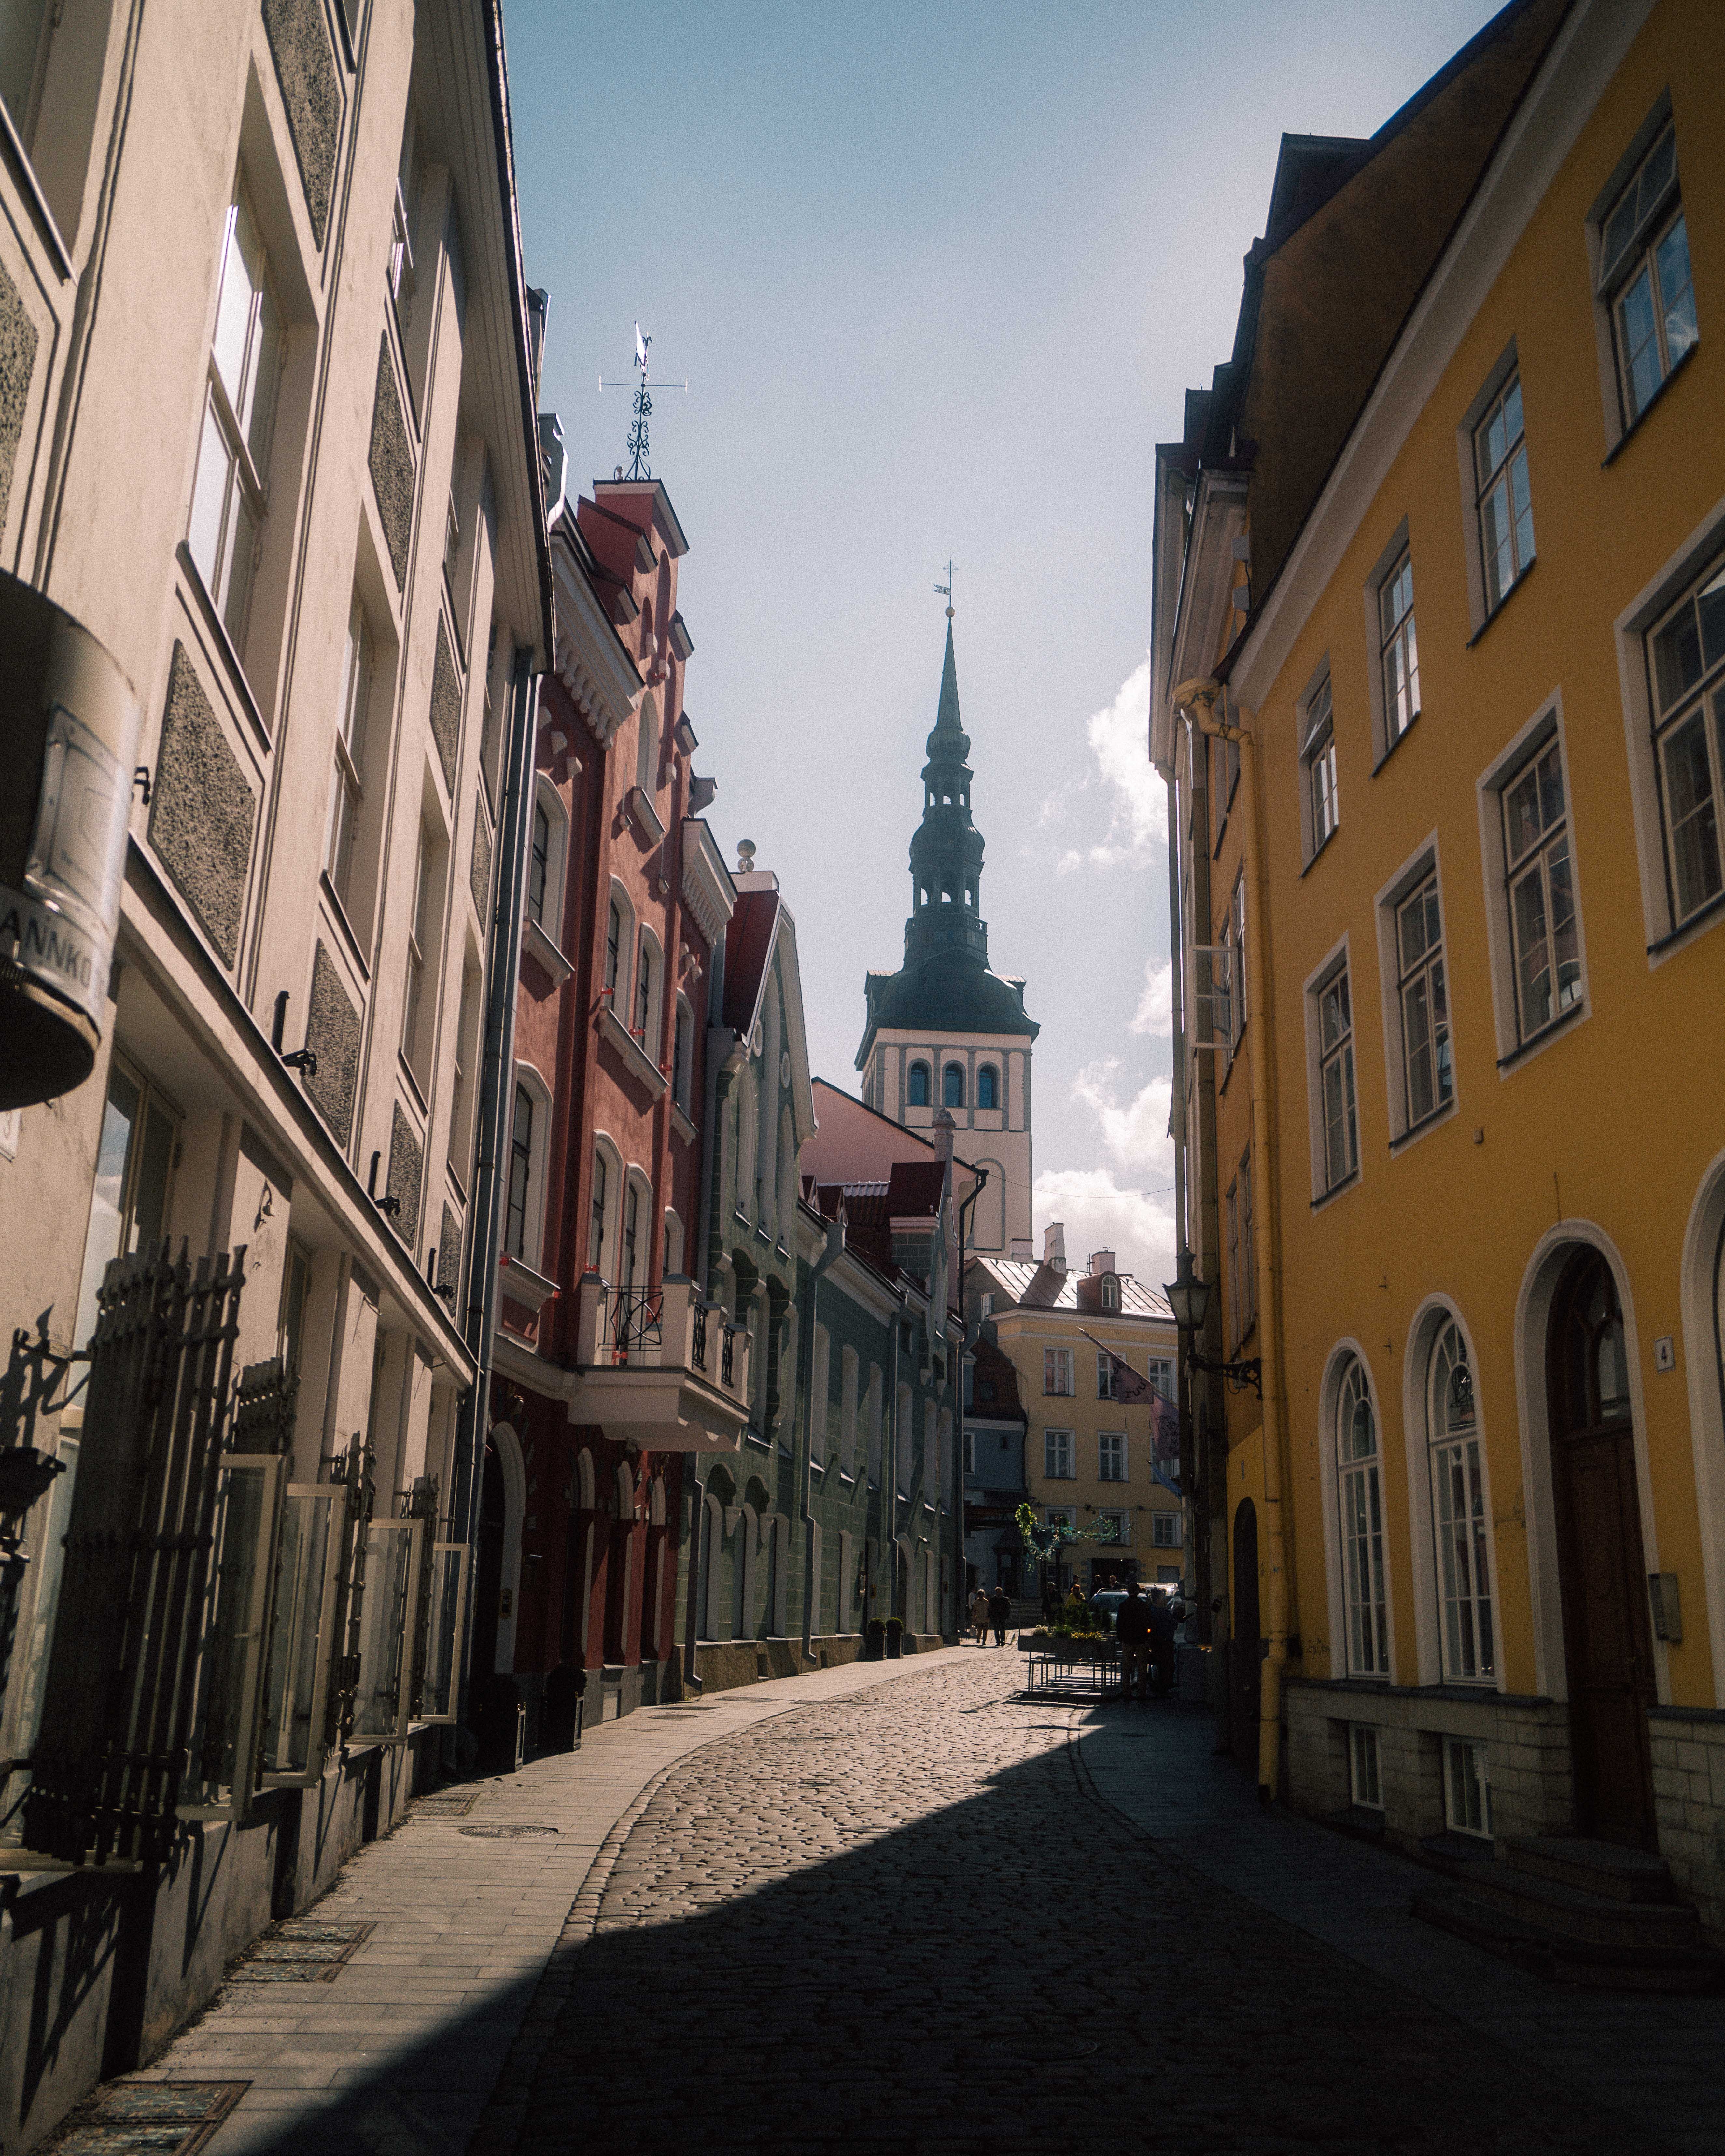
(1054,1245)
(1102,1261)
(1023,1251)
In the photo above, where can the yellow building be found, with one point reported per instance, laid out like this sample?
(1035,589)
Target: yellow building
(1449,532)
(1087,1452)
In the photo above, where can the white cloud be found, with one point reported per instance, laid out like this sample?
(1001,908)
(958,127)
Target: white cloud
(1135,802)
(1100,1215)
(1156,1006)
(1135,1131)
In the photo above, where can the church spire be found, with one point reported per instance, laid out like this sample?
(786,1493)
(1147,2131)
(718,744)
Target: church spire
(947,850)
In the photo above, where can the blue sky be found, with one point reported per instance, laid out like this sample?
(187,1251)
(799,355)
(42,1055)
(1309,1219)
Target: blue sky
(938,276)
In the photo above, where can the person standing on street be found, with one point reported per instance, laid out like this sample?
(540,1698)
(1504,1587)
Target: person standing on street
(1132,1628)
(979,1613)
(1162,1641)
(1000,1614)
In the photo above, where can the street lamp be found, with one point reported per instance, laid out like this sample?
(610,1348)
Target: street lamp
(1189,1297)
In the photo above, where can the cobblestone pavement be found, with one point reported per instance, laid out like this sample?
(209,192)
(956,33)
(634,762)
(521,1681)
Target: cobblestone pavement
(904,1921)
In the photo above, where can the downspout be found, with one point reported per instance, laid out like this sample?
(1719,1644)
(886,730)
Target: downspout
(958,1599)
(889,1468)
(1198,1541)
(485,1244)
(834,1243)
(1199,698)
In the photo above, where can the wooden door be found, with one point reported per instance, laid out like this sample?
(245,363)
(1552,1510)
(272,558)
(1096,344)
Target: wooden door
(1601,1575)
(1246,1661)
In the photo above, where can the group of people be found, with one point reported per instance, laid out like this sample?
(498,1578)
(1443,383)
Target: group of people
(1144,1625)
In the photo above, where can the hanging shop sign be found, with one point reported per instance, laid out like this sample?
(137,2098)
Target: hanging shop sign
(68,734)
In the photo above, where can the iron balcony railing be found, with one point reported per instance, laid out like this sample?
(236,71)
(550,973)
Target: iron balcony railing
(634,1322)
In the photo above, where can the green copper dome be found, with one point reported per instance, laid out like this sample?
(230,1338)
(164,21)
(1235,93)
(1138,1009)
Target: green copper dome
(945,984)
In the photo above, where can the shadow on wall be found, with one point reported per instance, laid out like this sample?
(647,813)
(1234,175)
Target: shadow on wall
(925,1986)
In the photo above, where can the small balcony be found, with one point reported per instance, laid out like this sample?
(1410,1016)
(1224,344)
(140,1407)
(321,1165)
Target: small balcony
(661,1366)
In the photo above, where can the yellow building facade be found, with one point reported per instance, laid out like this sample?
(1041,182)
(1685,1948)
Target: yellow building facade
(1087,1451)
(1452,555)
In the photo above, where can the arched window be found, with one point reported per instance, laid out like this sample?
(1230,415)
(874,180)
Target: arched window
(682,1055)
(613,950)
(631,1235)
(918,1093)
(596,1229)
(641,1023)
(1360,1497)
(952,1085)
(539,864)
(1459,1521)
(520,1172)
(988,1086)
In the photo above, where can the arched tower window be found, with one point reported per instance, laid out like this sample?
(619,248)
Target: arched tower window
(952,1085)
(987,1087)
(918,1093)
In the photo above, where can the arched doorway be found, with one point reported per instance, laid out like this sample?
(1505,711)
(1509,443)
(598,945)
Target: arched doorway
(1608,1641)
(1244,1662)
(488,1565)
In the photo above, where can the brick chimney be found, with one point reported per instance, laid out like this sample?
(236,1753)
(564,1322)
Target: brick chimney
(1054,1245)
(1102,1261)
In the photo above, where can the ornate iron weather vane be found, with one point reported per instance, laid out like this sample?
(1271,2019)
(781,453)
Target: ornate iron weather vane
(636,448)
(945,589)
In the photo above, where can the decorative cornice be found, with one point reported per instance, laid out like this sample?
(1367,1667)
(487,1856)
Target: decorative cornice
(590,659)
(708,891)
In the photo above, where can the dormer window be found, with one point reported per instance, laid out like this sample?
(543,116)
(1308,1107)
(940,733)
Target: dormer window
(1110,1292)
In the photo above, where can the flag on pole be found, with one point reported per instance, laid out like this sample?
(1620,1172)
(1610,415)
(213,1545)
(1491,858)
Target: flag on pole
(1129,1386)
(1165,1445)
(641,345)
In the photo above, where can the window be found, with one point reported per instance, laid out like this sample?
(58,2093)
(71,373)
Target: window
(134,1172)
(916,1091)
(970,1452)
(682,1044)
(1542,899)
(642,1023)
(538,865)
(952,1085)
(414,1001)
(460,1080)
(1110,1457)
(848,1387)
(1057,1372)
(1506,502)
(647,741)
(1398,654)
(1162,1375)
(1340,1123)
(1318,756)
(1366,1784)
(228,492)
(1242,1254)
(452,543)
(1057,1456)
(1237,959)
(1360,1491)
(613,949)
(1105,1374)
(520,1172)
(1164,1530)
(347,787)
(1643,278)
(1458,1514)
(988,1086)
(626,1272)
(1110,1292)
(1423,1000)
(596,1221)
(1686,666)
(1467,1794)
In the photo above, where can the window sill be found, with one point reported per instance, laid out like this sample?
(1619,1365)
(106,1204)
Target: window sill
(522,1284)
(1336,1190)
(1635,424)
(1319,850)
(1546,1034)
(217,629)
(636,1061)
(754,1437)
(19,159)
(1417,1131)
(1703,917)
(1414,721)
(681,1124)
(560,969)
(1497,610)
(345,926)
(412,1076)
(639,805)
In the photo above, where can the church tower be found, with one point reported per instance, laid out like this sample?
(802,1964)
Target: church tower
(944,1031)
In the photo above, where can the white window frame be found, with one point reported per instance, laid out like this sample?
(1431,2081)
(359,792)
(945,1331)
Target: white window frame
(1467,1789)
(1105,1374)
(549,918)
(1654,216)
(616,979)
(1500,481)
(1058,1446)
(1166,1529)
(1543,734)
(1480,607)
(1398,649)
(605,1149)
(1467,1609)
(1365,1767)
(1160,1371)
(1424,866)
(1322,1056)
(637,1184)
(531,1252)
(646,997)
(1111,1450)
(235,1640)
(389,1631)
(1363,1564)
(302,1638)
(1057,1363)
(1320,804)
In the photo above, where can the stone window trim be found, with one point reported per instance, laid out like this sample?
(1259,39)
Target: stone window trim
(1665,934)
(532,1083)
(1481,612)
(1315,734)
(1336,961)
(203,808)
(1542,732)
(1424,864)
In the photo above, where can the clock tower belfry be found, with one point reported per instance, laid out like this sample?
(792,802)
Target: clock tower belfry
(945,1031)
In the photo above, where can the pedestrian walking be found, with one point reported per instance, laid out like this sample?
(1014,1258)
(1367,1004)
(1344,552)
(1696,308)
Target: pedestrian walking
(1132,1628)
(1000,1614)
(979,1612)
(1162,1641)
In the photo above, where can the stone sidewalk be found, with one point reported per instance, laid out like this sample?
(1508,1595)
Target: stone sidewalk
(409,2041)
(1655,2061)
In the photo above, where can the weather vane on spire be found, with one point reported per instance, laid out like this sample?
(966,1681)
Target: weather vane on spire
(639,466)
(947,590)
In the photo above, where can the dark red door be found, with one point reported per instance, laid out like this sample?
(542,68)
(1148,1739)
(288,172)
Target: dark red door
(1602,1575)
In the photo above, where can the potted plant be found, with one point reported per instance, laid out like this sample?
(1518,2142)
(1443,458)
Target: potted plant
(894,1639)
(873,1639)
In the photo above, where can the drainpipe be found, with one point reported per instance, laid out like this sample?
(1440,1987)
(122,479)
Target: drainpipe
(1197,700)
(485,1244)
(889,1468)
(833,1244)
(959,1597)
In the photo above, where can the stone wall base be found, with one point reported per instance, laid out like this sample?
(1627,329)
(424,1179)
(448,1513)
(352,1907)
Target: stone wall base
(1688,1745)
